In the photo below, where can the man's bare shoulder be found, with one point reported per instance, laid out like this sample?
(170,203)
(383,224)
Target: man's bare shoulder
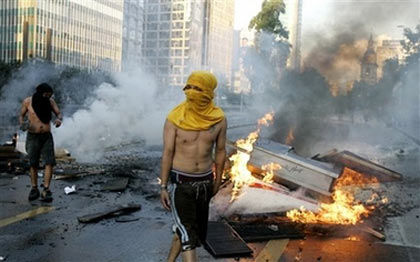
(27,101)
(222,124)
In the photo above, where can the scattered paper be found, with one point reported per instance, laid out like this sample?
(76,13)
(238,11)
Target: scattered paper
(69,190)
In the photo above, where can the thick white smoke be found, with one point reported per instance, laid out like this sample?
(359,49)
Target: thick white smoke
(131,111)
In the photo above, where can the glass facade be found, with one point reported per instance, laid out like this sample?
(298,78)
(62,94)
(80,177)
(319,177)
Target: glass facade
(292,19)
(173,44)
(186,35)
(219,37)
(79,33)
(133,32)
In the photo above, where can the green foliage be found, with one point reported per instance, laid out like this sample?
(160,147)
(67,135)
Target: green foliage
(412,45)
(267,20)
(264,63)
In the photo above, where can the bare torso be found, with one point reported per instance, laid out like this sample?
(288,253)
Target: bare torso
(193,149)
(35,125)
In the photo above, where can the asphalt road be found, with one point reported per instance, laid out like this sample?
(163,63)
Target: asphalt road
(51,232)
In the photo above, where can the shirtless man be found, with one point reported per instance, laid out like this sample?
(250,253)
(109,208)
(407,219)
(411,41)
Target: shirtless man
(39,140)
(191,131)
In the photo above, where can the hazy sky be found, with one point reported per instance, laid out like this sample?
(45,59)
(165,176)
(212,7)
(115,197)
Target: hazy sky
(319,15)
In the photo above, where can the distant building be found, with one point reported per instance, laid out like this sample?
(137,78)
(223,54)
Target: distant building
(133,33)
(174,39)
(292,20)
(182,36)
(79,33)
(390,49)
(218,44)
(369,66)
(243,41)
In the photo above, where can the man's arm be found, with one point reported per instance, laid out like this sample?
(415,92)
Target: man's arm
(57,113)
(169,134)
(23,111)
(220,155)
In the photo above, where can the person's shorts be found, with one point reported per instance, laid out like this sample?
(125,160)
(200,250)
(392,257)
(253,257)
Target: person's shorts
(190,198)
(40,146)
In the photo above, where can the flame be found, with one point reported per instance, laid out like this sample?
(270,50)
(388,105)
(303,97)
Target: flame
(269,172)
(344,209)
(239,173)
(290,137)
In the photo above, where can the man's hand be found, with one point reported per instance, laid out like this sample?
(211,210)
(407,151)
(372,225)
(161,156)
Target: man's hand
(164,199)
(57,122)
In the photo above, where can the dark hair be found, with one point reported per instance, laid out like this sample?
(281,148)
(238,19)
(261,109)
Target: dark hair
(44,88)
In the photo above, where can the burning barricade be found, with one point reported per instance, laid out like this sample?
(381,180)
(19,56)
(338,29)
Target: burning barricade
(269,183)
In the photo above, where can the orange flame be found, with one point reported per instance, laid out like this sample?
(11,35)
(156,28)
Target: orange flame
(290,137)
(239,173)
(344,209)
(269,172)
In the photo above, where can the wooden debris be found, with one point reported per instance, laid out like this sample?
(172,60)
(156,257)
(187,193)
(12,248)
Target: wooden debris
(9,152)
(125,219)
(118,184)
(69,174)
(119,210)
(374,233)
(272,251)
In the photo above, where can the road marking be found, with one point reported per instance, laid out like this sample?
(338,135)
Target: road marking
(25,215)
(272,251)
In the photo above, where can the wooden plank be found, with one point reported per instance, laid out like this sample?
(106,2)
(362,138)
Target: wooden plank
(118,184)
(272,251)
(375,233)
(119,210)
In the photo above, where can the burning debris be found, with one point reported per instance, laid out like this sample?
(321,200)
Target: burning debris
(239,174)
(328,181)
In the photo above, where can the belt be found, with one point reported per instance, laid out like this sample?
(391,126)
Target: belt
(180,177)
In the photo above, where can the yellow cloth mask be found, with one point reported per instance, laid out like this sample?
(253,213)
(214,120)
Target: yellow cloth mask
(198,111)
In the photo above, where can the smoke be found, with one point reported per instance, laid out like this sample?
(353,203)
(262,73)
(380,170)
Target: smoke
(130,111)
(21,86)
(335,48)
(100,110)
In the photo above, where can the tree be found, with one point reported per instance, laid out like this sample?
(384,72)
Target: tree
(267,20)
(264,63)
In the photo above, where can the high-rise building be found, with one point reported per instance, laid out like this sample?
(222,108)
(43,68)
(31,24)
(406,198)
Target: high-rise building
(79,33)
(186,35)
(218,49)
(173,44)
(243,40)
(133,29)
(292,20)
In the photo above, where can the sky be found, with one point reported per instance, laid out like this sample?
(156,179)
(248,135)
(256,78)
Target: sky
(317,13)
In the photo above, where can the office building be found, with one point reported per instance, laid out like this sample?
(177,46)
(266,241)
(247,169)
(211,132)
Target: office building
(292,20)
(78,33)
(133,33)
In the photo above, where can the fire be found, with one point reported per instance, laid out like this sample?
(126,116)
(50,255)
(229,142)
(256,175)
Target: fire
(269,172)
(239,173)
(344,209)
(290,137)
